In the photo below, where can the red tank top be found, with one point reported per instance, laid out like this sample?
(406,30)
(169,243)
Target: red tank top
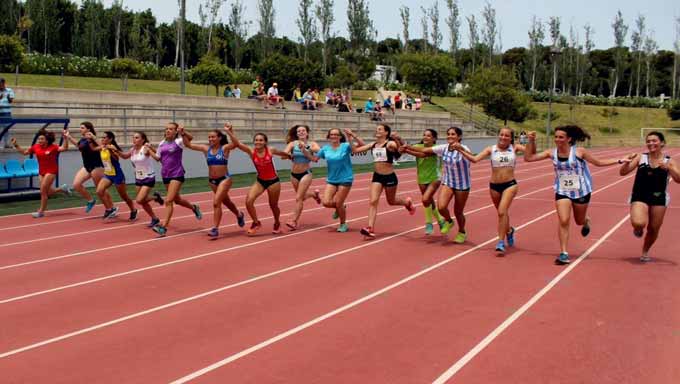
(264,165)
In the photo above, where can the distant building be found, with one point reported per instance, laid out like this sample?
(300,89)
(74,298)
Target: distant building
(385,74)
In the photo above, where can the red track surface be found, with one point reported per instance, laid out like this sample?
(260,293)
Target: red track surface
(83,301)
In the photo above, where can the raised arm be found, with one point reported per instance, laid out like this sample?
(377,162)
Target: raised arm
(235,141)
(72,140)
(587,156)
(64,145)
(151,151)
(530,154)
(18,147)
(627,168)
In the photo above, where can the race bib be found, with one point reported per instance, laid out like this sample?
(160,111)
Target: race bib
(108,167)
(569,182)
(503,159)
(139,173)
(380,154)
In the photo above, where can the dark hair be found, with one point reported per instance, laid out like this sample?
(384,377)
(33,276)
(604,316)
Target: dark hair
(49,136)
(222,136)
(388,129)
(432,132)
(143,135)
(111,136)
(292,132)
(574,133)
(343,139)
(512,134)
(266,139)
(89,126)
(657,134)
(176,127)
(459,131)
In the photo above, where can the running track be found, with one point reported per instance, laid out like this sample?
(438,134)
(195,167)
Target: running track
(82,301)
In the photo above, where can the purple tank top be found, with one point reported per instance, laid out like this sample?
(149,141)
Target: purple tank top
(171,158)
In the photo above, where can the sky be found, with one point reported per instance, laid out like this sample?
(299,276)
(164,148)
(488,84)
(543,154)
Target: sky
(514,17)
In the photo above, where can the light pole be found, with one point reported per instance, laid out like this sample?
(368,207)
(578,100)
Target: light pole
(555,52)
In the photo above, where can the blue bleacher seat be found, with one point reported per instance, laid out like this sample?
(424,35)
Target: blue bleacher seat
(31,167)
(15,169)
(3,173)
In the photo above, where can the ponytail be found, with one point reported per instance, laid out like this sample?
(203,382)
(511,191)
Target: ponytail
(574,133)
(111,136)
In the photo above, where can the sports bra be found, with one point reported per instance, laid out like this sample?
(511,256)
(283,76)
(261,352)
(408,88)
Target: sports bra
(502,159)
(298,156)
(216,159)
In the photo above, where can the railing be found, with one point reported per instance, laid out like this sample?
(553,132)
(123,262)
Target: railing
(481,121)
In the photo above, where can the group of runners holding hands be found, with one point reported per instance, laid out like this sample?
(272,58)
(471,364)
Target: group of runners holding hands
(443,175)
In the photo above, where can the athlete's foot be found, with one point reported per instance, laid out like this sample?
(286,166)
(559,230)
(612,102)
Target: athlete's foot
(37,215)
(197,212)
(241,219)
(409,206)
(645,259)
(158,198)
(90,204)
(254,227)
(133,214)
(154,222)
(500,248)
(368,232)
(113,212)
(446,227)
(460,238)
(343,228)
(214,232)
(441,223)
(511,237)
(291,225)
(429,228)
(316,196)
(638,232)
(66,189)
(277,228)
(562,259)
(585,229)
(160,230)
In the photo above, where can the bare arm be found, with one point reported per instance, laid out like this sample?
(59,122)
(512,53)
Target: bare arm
(674,171)
(237,144)
(125,155)
(19,149)
(280,153)
(587,156)
(419,151)
(627,168)
(475,159)
(152,152)
(530,154)
(64,145)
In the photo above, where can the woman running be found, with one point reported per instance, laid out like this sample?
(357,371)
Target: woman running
(92,164)
(503,186)
(110,152)
(427,168)
(169,154)
(217,156)
(650,198)
(47,153)
(573,182)
(385,150)
(267,178)
(455,182)
(301,171)
(145,176)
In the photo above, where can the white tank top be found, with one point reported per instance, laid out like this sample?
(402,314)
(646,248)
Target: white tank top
(501,159)
(142,163)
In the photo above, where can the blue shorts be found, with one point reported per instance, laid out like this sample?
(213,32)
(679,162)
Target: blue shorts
(118,179)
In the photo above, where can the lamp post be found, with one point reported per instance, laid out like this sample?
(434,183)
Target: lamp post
(555,52)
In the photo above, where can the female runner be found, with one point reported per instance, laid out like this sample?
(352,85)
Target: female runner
(503,186)
(455,182)
(169,154)
(301,171)
(650,198)
(267,178)
(217,156)
(92,164)
(385,150)
(46,152)
(573,182)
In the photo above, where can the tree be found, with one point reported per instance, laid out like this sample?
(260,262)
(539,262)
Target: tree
(436,32)
(124,68)
(490,31)
(620,32)
(429,74)
(210,71)
(359,24)
(676,60)
(423,24)
(474,38)
(11,51)
(343,77)
(324,13)
(306,25)
(213,7)
(536,36)
(117,16)
(181,43)
(496,89)
(288,72)
(405,14)
(239,27)
(266,21)
(588,47)
(638,38)
(453,23)
(650,50)
(11,11)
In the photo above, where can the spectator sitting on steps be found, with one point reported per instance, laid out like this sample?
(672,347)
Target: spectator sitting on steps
(273,97)
(6,98)
(237,91)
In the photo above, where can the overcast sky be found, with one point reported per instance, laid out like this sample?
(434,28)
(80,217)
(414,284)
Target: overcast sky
(514,16)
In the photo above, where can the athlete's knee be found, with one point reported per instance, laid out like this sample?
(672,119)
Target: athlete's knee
(374,201)
(502,213)
(427,202)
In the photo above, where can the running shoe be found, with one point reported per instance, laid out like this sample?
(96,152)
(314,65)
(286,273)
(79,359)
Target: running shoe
(241,220)
(158,198)
(277,228)
(460,238)
(160,230)
(645,259)
(316,196)
(107,212)
(113,212)
(90,205)
(441,224)
(638,232)
(500,248)
(562,259)
(154,222)
(585,229)
(409,206)
(368,232)
(335,213)
(254,227)
(37,215)
(291,225)
(67,190)
(214,232)
(343,228)
(133,214)
(446,227)
(511,237)
(197,212)
(428,228)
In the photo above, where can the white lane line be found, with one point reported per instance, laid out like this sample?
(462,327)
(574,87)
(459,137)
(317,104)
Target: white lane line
(458,365)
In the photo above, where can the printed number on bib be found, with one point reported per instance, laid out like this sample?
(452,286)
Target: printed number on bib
(569,182)
(108,167)
(379,154)
(139,173)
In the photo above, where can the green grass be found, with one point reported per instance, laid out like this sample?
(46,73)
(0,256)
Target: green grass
(194,185)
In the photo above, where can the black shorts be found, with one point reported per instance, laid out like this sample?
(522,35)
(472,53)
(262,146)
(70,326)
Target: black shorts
(91,167)
(216,182)
(500,187)
(147,182)
(581,200)
(167,180)
(300,175)
(651,198)
(386,180)
(267,183)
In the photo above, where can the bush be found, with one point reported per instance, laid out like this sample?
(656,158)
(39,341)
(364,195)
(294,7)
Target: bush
(428,74)
(633,102)
(10,52)
(210,71)
(288,72)
(674,110)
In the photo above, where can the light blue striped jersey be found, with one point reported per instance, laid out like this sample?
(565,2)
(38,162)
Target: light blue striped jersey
(455,167)
(572,177)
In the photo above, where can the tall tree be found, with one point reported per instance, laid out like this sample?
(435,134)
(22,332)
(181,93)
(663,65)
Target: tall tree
(638,38)
(239,27)
(359,24)
(117,17)
(473,38)
(405,14)
(181,43)
(676,60)
(620,32)
(490,29)
(266,21)
(424,26)
(453,22)
(324,13)
(436,31)
(650,48)
(11,11)
(213,7)
(536,36)
(588,47)
(306,25)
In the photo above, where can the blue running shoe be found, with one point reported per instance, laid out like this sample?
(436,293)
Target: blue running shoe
(241,220)
(343,228)
(90,205)
(511,237)
(154,222)
(160,230)
(214,232)
(428,228)
(197,212)
(500,248)
(562,259)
